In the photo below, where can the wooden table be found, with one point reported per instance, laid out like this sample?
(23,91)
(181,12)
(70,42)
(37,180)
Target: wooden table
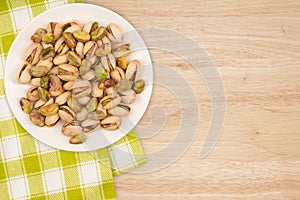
(256,48)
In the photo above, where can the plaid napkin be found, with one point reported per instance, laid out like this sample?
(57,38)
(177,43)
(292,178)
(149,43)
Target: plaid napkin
(30,169)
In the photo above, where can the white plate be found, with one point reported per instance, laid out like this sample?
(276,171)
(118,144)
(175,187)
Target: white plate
(84,13)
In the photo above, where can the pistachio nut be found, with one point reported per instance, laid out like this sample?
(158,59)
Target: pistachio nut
(69,39)
(32,94)
(79,49)
(50,101)
(52,120)
(35,82)
(48,52)
(33,52)
(66,114)
(83,100)
(114,32)
(110,101)
(73,104)
(96,115)
(82,115)
(81,36)
(98,33)
(67,72)
(39,104)
(60,59)
(104,47)
(100,72)
(111,123)
(60,46)
(90,26)
(96,91)
(120,110)
(92,105)
(37,36)
(48,38)
(123,85)
(139,86)
(89,48)
(85,67)
(101,110)
(89,125)
(43,94)
(82,88)
(70,129)
(38,71)
(26,105)
(132,71)
(108,62)
(54,28)
(69,85)
(62,99)
(78,139)
(74,58)
(55,86)
(37,119)
(128,96)
(25,75)
(44,82)
(117,74)
(122,62)
(49,109)
(121,49)
(109,83)
(46,45)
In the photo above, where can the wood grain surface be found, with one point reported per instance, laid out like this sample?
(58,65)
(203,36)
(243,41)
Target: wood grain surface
(256,47)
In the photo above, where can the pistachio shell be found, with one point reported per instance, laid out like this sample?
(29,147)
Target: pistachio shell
(25,75)
(69,85)
(79,49)
(32,94)
(55,28)
(128,97)
(132,71)
(37,119)
(35,82)
(66,114)
(83,100)
(89,48)
(82,88)
(110,101)
(111,123)
(73,104)
(39,104)
(120,110)
(60,59)
(71,129)
(108,62)
(62,99)
(117,74)
(90,26)
(37,36)
(51,120)
(33,52)
(67,72)
(114,32)
(78,139)
(82,115)
(89,125)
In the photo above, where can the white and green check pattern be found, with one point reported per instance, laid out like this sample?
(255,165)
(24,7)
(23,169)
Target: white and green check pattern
(30,169)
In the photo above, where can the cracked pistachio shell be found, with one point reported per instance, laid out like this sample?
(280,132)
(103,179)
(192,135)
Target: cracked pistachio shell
(25,75)
(62,99)
(82,115)
(111,123)
(67,72)
(32,94)
(117,74)
(37,36)
(79,49)
(92,105)
(114,32)
(104,47)
(66,114)
(110,101)
(52,120)
(71,129)
(89,48)
(96,115)
(54,28)
(37,119)
(26,105)
(48,52)
(120,110)
(133,70)
(83,100)
(89,125)
(49,109)
(69,85)
(74,58)
(73,104)
(78,139)
(60,59)
(128,96)
(33,53)
(35,82)
(90,26)
(123,85)
(82,88)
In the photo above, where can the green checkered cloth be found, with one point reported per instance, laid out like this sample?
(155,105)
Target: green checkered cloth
(30,169)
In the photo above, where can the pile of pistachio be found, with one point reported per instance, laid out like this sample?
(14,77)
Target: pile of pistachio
(80,75)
